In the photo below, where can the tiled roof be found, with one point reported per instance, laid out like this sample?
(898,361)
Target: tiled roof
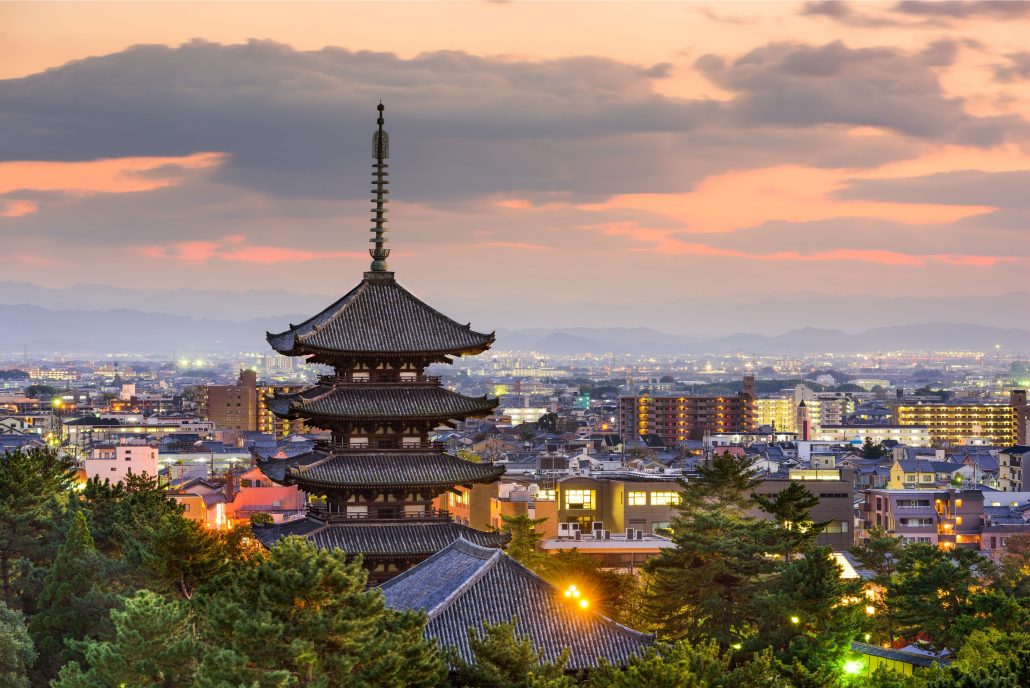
(380,538)
(380,316)
(913,658)
(379,469)
(465,586)
(380,401)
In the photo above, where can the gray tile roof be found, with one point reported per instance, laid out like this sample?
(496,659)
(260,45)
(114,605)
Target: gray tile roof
(376,469)
(382,538)
(379,316)
(380,401)
(913,658)
(465,586)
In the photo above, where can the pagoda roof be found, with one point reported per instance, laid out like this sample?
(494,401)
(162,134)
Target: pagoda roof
(369,401)
(379,316)
(382,538)
(379,469)
(465,586)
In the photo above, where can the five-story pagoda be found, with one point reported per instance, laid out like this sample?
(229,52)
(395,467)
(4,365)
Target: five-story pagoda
(379,473)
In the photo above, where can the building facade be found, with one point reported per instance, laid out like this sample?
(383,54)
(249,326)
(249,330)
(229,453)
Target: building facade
(678,417)
(244,406)
(956,424)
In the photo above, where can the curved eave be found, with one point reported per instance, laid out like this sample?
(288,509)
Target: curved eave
(288,411)
(293,346)
(304,483)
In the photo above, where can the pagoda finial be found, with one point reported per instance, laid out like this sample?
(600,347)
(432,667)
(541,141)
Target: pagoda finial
(380,152)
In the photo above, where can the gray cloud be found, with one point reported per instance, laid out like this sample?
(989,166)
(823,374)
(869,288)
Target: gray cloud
(960,9)
(788,84)
(1017,68)
(970,187)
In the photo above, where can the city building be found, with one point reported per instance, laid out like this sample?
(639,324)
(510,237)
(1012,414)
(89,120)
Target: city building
(379,475)
(836,492)
(244,406)
(676,417)
(109,461)
(616,501)
(926,473)
(776,412)
(909,435)
(957,424)
(946,518)
(1010,468)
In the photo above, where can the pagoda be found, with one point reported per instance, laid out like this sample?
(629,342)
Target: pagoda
(379,474)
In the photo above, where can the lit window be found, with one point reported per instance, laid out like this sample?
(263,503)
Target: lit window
(636,498)
(665,498)
(579,499)
(546,495)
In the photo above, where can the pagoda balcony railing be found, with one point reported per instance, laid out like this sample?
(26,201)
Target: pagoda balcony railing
(324,514)
(328,445)
(424,379)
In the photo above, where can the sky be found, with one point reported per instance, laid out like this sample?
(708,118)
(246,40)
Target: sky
(579,163)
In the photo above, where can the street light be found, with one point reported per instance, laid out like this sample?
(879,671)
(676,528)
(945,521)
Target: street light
(574,593)
(853,667)
(795,620)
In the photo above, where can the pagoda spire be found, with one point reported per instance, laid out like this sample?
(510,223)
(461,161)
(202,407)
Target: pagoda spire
(380,152)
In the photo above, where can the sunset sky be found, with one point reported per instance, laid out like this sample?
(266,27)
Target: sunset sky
(579,163)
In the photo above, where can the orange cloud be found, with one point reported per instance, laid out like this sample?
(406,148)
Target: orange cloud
(232,248)
(744,199)
(517,245)
(17,208)
(110,175)
(664,242)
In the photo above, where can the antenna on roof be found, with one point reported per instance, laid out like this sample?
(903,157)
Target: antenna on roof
(380,152)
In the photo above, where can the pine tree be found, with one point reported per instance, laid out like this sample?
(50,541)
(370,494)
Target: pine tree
(71,605)
(704,586)
(809,616)
(879,554)
(154,645)
(180,554)
(304,612)
(30,484)
(525,539)
(16,651)
(792,510)
(504,659)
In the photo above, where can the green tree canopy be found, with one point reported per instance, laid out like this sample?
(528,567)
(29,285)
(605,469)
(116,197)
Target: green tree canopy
(305,612)
(504,659)
(17,654)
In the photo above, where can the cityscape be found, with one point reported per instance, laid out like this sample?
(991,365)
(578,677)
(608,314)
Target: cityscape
(627,364)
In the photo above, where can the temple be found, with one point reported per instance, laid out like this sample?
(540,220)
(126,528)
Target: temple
(379,474)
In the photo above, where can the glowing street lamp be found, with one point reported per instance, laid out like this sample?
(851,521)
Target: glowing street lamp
(795,620)
(853,667)
(870,609)
(574,593)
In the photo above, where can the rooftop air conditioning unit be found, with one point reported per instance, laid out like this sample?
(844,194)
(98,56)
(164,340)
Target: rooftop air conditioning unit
(640,535)
(629,533)
(607,535)
(564,530)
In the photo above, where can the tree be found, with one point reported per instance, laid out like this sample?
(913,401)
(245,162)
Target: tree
(16,651)
(704,587)
(154,644)
(503,659)
(616,595)
(873,451)
(305,613)
(791,508)
(181,554)
(548,423)
(809,616)
(124,512)
(879,554)
(931,590)
(525,539)
(71,605)
(1015,565)
(31,483)
(688,664)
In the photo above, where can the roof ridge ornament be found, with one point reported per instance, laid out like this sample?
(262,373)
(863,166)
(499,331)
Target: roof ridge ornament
(380,153)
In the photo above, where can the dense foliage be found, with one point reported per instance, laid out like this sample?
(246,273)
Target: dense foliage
(107,586)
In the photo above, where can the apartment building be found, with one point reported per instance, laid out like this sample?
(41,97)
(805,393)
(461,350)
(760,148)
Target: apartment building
(115,461)
(836,492)
(677,417)
(1010,468)
(908,435)
(946,518)
(958,424)
(243,406)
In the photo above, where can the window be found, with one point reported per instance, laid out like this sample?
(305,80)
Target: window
(927,478)
(836,527)
(910,478)
(636,498)
(665,498)
(546,495)
(579,499)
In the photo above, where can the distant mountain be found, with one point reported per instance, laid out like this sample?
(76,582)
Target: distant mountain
(41,330)
(70,330)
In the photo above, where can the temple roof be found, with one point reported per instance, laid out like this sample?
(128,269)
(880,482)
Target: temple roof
(379,316)
(379,469)
(465,586)
(380,538)
(366,401)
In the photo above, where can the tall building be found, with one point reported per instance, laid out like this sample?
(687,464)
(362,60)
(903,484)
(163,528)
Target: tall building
(677,417)
(379,474)
(955,424)
(244,406)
